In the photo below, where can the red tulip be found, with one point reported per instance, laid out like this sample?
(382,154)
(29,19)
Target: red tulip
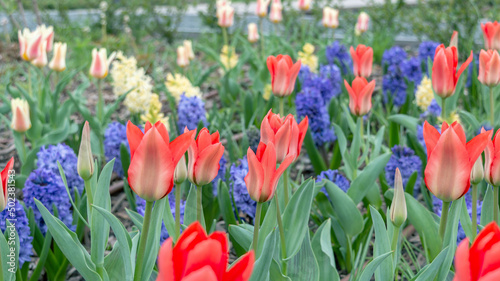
(153,159)
(204,156)
(286,135)
(491,34)
(444,70)
(4,181)
(283,74)
(262,178)
(362,60)
(197,256)
(489,68)
(492,160)
(480,262)
(450,159)
(360,95)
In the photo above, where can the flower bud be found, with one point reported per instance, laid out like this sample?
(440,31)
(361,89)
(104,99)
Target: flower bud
(180,172)
(20,115)
(477,173)
(398,206)
(182,57)
(85,164)
(253,33)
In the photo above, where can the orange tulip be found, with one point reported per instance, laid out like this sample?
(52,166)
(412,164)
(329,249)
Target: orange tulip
(489,68)
(362,60)
(283,74)
(4,181)
(492,160)
(153,159)
(204,155)
(444,70)
(360,95)
(491,34)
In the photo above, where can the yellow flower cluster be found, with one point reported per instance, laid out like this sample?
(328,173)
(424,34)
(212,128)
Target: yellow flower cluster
(308,58)
(178,84)
(424,94)
(268,91)
(126,76)
(228,57)
(451,118)
(154,114)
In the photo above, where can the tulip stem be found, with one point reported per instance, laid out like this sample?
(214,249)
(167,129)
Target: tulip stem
(142,240)
(395,239)
(282,235)
(90,198)
(474,211)
(23,147)
(492,108)
(177,211)
(100,102)
(199,206)
(444,218)
(495,204)
(256,226)
(443,109)
(282,106)
(30,90)
(285,186)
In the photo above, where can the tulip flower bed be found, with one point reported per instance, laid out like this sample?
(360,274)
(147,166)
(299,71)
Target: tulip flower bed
(250,156)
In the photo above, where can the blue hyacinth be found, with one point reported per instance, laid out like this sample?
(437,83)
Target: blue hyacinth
(426,50)
(191,110)
(327,81)
(221,174)
(22,227)
(471,67)
(309,102)
(434,108)
(412,70)
(238,188)
(114,136)
(405,159)
(48,188)
(141,207)
(393,56)
(47,160)
(337,53)
(335,177)
(394,85)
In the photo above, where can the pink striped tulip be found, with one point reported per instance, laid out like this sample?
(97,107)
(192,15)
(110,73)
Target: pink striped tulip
(100,63)
(262,6)
(47,36)
(444,70)
(58,62)
(276,15)
(153,159)
(283,74)
(360,95)
(29,44)
(450,159)
(305,5)
(253,33)
(20,115)
(362,60)
(41,60)
(489,68)
(188,47)
(330,17)
(204,155)
(362,23)
(262,178)
(4,181)
(225,16)
(492,160)
(182,57)
(491,34)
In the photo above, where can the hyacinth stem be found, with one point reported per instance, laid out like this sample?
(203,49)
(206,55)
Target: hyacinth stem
(256,226)
(142,240)
(282,235)
(474,211)
(199,206)
(90,198)
(443,109)
(444,219)
(395,239)
(495,204)
(492,108)
(177,212)
(285,186)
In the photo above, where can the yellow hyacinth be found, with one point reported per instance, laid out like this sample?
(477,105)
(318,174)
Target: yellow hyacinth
(451,118)
(178,84)
(424,94)
(154,114)
(228,57)
(308,58)
(268,91)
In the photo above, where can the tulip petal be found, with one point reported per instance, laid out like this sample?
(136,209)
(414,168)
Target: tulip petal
(241,270)
(431,137)
(460,131)
(206,253)
(204,139)
(207,164)
(134,136)
(255,177)
(162,130)
(282,141)
(462,264)
(266,132)
(5,174)
(464,65)
(165,262)
(477,145)
(205,273)
(180,145)
(440,74)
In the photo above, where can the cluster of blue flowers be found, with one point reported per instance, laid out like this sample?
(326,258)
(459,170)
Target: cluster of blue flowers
(471,67)
(191,110)
(22,228)
(412,70)
(238,189)
(338,54)
(221,174)
(438,205)
(335,177)
(393,56)
(48,158)
(405,159)
(114,136)
(48,188)
(141,207)
(426,50)
(327,81)
(434,109)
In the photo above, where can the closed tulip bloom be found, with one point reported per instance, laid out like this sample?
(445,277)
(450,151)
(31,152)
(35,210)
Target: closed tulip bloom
(262,178)
(180,173)
(489,68)
(330,17)
(444,70)
(362,60)
(450,159)
(362,23)
(47,36)
(298,135)
(477,173)
(20,115)
(304,5)
(197,256)
(4,181)
(283,74)
(398,205)
(204,155)
(153,159)
(253,33)
(262,6)
(85,163)
(100,63)
(491,34)
(41,60)
(182,57)
(480,262)
(225,16)
(29,44)
(492,160)
(276,15)
(58,62)
(188,47)
(360,95)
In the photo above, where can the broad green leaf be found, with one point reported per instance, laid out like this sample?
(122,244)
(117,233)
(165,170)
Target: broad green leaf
(345,209)
(317,161)
(303,266)
(429,271)
(262,264)
(465,219)
(382,245)
(367,177)
(450,237)
(4,265)
(225,203)
(241,235)
(191,208)
(322,248)
(406,121)
(367,273)
(275,273)
(487,216)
